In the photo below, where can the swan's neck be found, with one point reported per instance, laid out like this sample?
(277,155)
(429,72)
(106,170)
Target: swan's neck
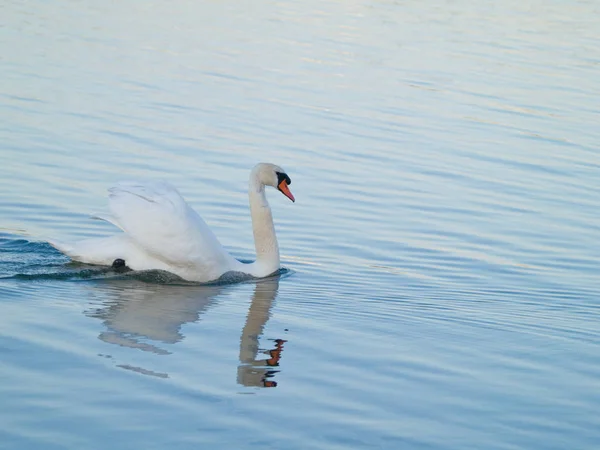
(265,241)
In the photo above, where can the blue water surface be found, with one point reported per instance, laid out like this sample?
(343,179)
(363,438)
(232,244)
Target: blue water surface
(440,286)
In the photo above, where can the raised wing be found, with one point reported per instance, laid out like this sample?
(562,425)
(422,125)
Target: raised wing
(159,220)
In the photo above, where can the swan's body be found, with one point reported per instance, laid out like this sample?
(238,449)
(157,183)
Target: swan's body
(161,231)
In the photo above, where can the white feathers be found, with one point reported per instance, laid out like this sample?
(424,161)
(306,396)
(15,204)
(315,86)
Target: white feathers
(161,231)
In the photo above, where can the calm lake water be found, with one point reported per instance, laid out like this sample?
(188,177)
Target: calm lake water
(441,285)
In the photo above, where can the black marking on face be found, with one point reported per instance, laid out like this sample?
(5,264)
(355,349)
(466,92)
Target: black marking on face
(281,176)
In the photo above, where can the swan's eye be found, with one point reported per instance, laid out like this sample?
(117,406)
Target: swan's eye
(283,177)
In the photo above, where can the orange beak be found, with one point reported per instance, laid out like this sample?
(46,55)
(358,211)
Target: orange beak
(285,190)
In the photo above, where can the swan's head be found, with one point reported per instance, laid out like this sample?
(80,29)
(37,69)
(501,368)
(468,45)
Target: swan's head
(272,175)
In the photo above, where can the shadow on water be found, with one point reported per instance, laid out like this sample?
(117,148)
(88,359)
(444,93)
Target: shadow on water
(157,313)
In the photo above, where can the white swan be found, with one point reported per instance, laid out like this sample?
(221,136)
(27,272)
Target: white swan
(161,231)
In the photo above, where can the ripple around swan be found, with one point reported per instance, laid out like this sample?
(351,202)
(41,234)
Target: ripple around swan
(27,260)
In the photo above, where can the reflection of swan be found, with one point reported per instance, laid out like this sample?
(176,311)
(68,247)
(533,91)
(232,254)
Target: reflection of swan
(252,372)
(154,312)
(157,313)
(161,231)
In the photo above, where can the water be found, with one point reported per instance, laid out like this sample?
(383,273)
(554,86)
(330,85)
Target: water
(440,288)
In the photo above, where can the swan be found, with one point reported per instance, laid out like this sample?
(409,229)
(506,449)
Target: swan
(161,231)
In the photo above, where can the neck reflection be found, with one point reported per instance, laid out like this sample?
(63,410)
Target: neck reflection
(145,316)
(253,371)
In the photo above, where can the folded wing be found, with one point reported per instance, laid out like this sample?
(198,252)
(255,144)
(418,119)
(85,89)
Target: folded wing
(159,220)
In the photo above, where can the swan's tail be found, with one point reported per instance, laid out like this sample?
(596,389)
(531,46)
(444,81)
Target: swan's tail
(64,247)
(95,250)
(101,251)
